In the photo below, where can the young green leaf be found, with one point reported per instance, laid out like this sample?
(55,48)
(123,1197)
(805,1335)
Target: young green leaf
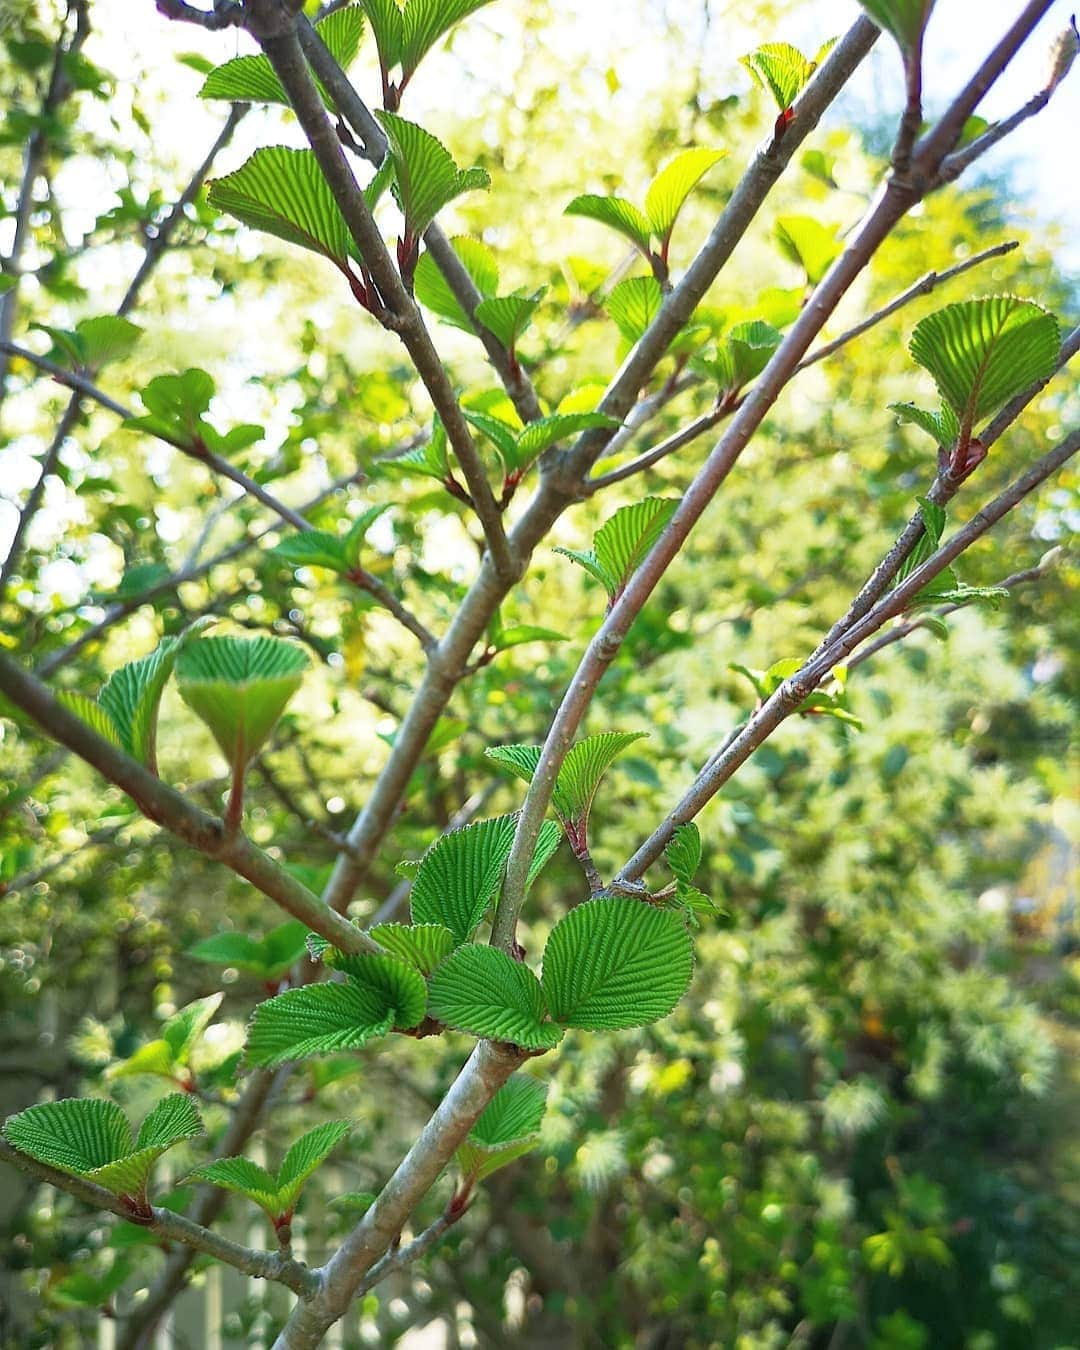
(781,69)
(426,175)
(460,874)
(582,771)
(484,992)
(276,1195)
(807,243)
(313,548)
(905,20)
(319,1019)
(623,542)
(170,1055)
(239,688)
(425,21)
(309,1152)
(613,963)
(132,697)
(508,316)
(430,460)
(89,1137)
(683,853)
(251,79)
(633,304)
(983,352)
(943,425)
(93,714)
(94,342)
(433,291)
(422,945)
(507,1129)
(267,958)
(741,355)
(283,192)
(241,1176)
(618,214)
(387,25)
(397,983)
(670,188)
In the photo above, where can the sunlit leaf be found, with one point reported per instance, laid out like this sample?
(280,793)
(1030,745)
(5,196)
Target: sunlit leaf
(483,991)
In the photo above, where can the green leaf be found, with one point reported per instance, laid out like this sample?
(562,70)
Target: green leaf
(283,192)
(318,1019)
(943,425)
(741,355)
(904,19)
(459,875)
(547,431)
(107,338)
(433,291)
(683,853)
(132,697)
(623,542)
(483,991)
(429,460)
(156,1058)
(388,25)
(308,1153)
(174,1119)
(673,184)
(77,1134)
(508,1127)
(808,244)
(268,958)
(618,214)
(426,175)
(633,304)
(242,1177)
(83,1290)
(91,1138)
(314,548)
(780,69)
(508,316)
(239,688)
(93,714)
(547,845)
(517,635)
(396,983)
(983,352)
(425,21)
(581,773)
(613,963)
(423,945)
(251,79)
(183,1031)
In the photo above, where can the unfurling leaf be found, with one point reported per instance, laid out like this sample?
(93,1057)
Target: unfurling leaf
(92,343)
(484,992)
(426,175)
(251,79)
(983,352)
(781,69)
(422,945)
(508,1128)
(579,777)
(613,963)
(741,355)
(318,1019)
(460,874)
(943,425)
(170,1055)
(617,213)
(239,687)
(276,1195)
(623,542)
(89,1137)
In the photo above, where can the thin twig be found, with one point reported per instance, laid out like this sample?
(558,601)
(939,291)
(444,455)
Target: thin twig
(173,1227)
(795,690)
(166,807)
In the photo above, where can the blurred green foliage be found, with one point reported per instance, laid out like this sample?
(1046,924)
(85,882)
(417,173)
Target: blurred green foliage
(855,1131)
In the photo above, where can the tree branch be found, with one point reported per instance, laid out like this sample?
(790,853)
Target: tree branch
(173,1227)
(487,1069)
(166,807)
(373,145)
(288,62)
(794,691)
